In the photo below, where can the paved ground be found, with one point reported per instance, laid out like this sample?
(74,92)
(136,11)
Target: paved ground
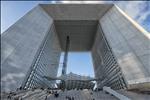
(135,95)
(39,94)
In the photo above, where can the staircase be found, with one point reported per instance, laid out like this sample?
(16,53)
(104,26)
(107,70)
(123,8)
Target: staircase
(45,94)
(82,95)
(39,94)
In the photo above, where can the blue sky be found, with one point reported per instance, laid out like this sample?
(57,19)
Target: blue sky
(80,63)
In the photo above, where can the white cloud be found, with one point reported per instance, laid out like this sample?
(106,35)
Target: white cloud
(12,76)
(143,16)
(138,10)
(10,79)
(53,1)
(130,7)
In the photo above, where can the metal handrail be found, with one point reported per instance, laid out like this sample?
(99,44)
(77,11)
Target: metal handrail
(114,93)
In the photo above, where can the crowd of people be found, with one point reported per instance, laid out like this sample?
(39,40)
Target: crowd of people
(49,92)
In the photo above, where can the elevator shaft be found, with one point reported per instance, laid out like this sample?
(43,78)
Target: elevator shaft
(64,68)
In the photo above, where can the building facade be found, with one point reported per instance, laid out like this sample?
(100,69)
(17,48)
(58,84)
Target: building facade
(31,48)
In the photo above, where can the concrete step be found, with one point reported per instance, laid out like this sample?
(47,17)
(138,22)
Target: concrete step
(83,95)
(77,94)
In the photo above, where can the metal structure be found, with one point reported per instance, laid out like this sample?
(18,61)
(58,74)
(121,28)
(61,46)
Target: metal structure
(64,69)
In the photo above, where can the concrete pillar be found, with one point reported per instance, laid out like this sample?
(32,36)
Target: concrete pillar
(21,45)
(131,46)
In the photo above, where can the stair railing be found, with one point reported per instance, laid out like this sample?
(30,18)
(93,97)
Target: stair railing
(114,93)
